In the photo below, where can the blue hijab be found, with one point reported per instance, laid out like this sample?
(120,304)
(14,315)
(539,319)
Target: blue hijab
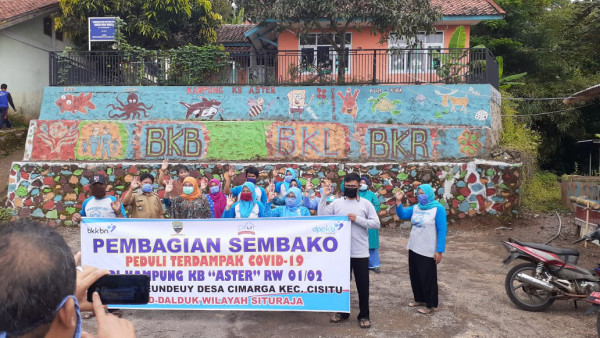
(247,206)
(428,190)
(292,211)
(284,183)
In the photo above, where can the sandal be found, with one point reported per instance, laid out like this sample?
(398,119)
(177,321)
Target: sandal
(364,323)
(337,318)
(416,304)
(427,310)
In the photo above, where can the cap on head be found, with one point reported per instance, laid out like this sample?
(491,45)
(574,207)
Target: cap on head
(98,179)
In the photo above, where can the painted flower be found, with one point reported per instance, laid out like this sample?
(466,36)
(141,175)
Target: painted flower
(468,143)
(321,93)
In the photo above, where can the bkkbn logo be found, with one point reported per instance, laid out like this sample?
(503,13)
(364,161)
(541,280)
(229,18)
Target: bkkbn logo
(100,230)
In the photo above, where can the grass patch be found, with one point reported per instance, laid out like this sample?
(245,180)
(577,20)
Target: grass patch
(5,214)
(542,193)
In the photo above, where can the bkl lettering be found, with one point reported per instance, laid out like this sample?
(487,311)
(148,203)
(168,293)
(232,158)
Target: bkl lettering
(305,143)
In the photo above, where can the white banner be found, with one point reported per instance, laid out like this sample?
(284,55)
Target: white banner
(283,264)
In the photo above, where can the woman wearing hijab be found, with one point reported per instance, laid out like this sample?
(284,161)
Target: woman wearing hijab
(364,192)
(426,244)
(281,188)
(192,203)
(217,197)
(292,207)
(247,207)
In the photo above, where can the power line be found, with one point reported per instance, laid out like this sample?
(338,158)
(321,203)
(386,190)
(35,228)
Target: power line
(550,112)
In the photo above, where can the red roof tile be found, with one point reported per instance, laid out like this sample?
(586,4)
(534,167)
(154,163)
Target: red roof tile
(11,9)
(468,7)
(232,33)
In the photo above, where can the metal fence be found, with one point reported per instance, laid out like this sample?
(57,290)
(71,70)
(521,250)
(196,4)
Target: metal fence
(308,66)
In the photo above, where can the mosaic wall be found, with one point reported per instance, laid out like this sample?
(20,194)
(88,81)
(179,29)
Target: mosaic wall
(250,140)
(587,187)
(55,191)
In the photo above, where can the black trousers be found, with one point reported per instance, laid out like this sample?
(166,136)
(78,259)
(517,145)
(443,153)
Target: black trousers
(423,279)
(4,117)
(360,266)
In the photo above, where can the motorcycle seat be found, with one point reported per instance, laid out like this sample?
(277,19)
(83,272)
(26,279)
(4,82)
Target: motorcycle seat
(553,249)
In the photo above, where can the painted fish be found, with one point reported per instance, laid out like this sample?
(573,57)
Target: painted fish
(72,103)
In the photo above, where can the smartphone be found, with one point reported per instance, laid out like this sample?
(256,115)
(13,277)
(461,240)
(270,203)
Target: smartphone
(121,289)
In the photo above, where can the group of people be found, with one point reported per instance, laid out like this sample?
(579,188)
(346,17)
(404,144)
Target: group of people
(185,198)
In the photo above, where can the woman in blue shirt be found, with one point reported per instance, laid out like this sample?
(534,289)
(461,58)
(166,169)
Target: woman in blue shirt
(426,244)
(247,207)
(292,207)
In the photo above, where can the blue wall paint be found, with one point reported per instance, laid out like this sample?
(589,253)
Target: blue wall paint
(456,105)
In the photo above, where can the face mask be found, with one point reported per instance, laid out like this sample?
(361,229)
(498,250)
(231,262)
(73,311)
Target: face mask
(251,180)
(147,187)
(77,311)
(98,191)
(214,190)
(422,199)
(246,196)
(350,192)
(188,190)
(363,187)
(288,178)
(291,202)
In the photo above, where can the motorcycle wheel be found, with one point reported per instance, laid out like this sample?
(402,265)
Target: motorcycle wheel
(526,297)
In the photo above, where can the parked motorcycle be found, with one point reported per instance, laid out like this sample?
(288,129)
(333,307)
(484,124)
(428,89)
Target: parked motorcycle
(594,299)
(549,273)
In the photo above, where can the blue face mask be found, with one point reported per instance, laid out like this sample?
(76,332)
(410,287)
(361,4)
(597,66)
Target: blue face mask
(251,180)
(77,311)
(422,199)
(291,202)
(147,187)
(188,190)
(288,178)
(214,190)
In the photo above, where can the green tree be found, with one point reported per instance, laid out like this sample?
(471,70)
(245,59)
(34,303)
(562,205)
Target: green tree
(403,18)
(156,24)
(555,42)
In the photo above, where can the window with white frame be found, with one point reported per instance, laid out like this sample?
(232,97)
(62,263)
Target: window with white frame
(423,58)
(317,54)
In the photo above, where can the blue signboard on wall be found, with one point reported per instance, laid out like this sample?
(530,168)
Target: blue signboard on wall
(101,29)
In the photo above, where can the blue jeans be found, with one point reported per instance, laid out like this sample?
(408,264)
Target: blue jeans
(4,117)
(374,259)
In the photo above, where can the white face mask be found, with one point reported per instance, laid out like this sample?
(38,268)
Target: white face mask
(363,187)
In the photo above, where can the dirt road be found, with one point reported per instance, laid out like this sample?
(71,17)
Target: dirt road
(473,302)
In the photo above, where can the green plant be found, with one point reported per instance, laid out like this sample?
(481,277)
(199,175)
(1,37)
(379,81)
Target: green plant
(542,193)
(5,214)
(64,66)
(454,63)
(196,64)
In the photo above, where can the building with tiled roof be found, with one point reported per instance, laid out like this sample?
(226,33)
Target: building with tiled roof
(468,7)
(12,12)
(232,37)
(27,34)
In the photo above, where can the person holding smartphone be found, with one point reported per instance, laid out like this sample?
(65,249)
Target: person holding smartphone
(44,292)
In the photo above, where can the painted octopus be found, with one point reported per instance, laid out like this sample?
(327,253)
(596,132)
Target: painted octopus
(131,110)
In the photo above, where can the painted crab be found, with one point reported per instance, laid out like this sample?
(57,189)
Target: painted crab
(383,104)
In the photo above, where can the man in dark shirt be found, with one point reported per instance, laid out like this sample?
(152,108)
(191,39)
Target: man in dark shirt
(5,100)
